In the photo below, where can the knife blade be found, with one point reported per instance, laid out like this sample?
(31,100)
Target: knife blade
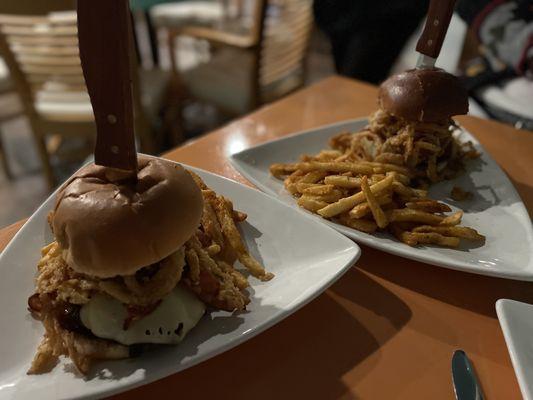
(465,383)
(430,41)
(425,61)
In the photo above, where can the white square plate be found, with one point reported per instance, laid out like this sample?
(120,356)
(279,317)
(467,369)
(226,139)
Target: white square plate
(305,256)
(496,210)
(516,320)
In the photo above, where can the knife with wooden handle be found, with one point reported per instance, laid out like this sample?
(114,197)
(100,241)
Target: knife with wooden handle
(104,32)
(430,42)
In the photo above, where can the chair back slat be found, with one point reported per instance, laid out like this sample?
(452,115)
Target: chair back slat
(52,60)
(43,40)
(285,39)
(43,29)
(44,48)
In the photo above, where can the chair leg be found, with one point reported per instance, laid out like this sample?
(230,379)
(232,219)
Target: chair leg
(173,116)
(145,133)
(45,159)
(3,159)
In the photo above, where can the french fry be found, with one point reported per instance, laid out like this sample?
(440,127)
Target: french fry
(390,158)
(403,190)
(409,144)
(193,263)
(326,155)
(380,168)
(311,204)
(402,235)
(357,168)
(403,179)
(432,169)
(416,238)
(313,177)
(291,181)
(435,238)
(454,219)
(363,209)
(430,206)
(210,223)
(343,181)
(280,170)
(420,192)
(240,281)
(292,188)
(328,198)
(409,215)
(239,216)
(428,146)
(232,234)
(376,178)
(347,203)
(301,186)
(213,250)
(462,232)
(319,190)
(377,212)
(363,225)
(199,182)
(459,194)
(414,157)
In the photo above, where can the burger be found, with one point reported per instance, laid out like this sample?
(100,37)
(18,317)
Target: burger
(423,95)
(132,265)
(413,126)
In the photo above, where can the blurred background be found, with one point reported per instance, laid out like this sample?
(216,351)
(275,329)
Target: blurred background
(201,64)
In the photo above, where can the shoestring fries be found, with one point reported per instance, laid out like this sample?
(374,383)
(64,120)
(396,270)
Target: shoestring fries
(373,196)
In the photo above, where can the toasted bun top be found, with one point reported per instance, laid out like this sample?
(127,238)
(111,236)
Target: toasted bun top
(110,225)
(426,95)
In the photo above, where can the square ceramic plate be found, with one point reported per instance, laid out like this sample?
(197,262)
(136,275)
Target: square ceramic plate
(496,210)
(285,242)
(516,320)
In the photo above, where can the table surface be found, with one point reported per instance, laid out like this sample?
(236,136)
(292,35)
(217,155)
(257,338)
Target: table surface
(388,328)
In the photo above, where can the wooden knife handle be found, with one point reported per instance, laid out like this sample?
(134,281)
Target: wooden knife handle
(437,22)
(104,29)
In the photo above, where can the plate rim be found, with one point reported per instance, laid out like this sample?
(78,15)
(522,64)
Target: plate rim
(501,312)
(237,161)
(352,253)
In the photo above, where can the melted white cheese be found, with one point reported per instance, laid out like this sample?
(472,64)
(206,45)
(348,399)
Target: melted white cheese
(177,314)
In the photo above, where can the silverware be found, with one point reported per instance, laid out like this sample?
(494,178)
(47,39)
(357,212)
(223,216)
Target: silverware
(424,61)
(465,383)
(430,41)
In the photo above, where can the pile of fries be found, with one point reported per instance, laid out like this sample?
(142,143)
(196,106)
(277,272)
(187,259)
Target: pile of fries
(342,185)
(212,252)
(429,150)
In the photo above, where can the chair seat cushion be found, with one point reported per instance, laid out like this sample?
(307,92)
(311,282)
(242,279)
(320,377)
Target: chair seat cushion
(68,106)
(56,102)
(225,80)
(153,88)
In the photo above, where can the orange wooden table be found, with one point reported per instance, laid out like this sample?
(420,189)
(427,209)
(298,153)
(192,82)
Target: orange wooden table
(387,329)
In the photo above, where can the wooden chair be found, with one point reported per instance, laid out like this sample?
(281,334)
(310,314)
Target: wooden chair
(42,54)
(10,108)
(255,65)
